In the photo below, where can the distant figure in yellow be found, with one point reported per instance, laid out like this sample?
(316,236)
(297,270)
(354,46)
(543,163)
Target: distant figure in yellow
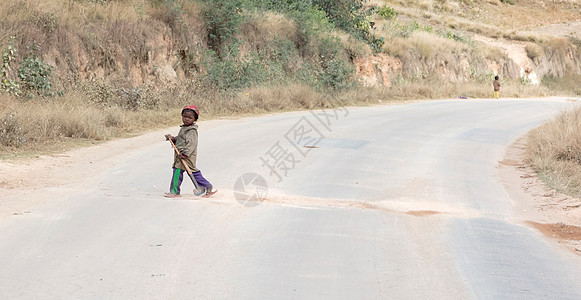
(496,87)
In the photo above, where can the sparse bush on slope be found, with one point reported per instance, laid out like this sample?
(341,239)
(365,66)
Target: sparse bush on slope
(555,152)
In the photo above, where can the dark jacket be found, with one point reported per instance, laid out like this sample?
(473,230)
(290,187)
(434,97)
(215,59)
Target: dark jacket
(187,144)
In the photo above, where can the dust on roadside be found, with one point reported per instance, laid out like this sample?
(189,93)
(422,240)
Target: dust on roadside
(555,215)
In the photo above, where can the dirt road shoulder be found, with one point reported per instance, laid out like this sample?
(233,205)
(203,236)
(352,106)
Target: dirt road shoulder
(555,215)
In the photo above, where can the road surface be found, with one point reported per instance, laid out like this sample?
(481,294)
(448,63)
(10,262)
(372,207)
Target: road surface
(386,202)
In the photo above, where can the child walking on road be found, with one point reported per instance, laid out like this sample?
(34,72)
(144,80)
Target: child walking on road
(187,144)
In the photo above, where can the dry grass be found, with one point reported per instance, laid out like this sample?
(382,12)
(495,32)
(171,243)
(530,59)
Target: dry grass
(487,17)
(262,29)
(568,83)
(35,125)
(429,44)
(355,47)
(555,152)
(47,125)
(534,51)
(69,13)
(560,44)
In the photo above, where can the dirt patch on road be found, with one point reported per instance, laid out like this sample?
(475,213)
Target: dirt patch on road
(559,230)
(568,235)
(556,215)
(422,213)
(322,202)
(410,208)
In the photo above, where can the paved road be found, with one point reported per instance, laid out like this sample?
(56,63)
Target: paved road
(388,202)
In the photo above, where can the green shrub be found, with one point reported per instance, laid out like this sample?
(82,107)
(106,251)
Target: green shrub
(280,5)
(35,75)
(346,14)
(281,59)
(387,12)
(351,16)
(456,37)
(511,2)
(407,31)
(337,71)
(232,72)
(296,58)
(222,19)
(311,24)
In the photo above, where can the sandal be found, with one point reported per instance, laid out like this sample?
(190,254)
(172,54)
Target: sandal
(171,195)
(209,193)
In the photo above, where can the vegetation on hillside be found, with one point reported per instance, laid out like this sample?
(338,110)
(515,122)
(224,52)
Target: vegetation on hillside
(230,57)
(231,45)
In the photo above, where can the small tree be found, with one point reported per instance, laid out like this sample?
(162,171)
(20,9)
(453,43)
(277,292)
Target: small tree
(222,19)
(351,16)
(34,74)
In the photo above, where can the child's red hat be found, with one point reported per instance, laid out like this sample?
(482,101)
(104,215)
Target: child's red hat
(193,108)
